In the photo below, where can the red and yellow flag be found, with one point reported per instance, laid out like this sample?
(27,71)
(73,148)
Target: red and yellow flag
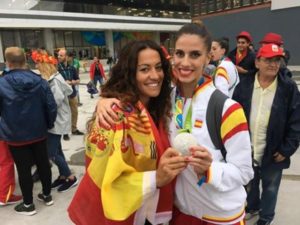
(112,189)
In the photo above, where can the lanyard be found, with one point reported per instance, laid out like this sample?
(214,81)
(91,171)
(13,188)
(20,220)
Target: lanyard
(65,71)
(179,106)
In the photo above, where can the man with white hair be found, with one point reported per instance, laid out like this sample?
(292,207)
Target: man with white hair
(271,102)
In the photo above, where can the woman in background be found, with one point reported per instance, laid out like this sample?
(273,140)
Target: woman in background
(226,76)
(61,90)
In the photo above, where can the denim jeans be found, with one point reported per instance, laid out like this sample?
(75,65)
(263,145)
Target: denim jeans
(98,79)
(266,202)
(56,154)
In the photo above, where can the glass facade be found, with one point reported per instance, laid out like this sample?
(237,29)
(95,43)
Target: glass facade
(86,42)
(26,39)
(75,41)
(204,7)
(146,8)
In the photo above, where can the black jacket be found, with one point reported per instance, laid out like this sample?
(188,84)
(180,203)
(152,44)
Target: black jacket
(283,131)
(248,63)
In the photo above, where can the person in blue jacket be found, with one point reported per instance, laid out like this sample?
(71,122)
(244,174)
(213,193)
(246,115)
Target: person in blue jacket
(28,110)
(271,102)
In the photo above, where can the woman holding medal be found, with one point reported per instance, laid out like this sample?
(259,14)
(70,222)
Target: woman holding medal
(203,196)
(130,166)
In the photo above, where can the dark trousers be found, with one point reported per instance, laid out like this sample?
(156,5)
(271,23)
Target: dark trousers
(27,155)
(98,78)
(265,199)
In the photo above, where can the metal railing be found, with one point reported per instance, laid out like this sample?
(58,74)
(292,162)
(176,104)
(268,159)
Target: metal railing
(204,7)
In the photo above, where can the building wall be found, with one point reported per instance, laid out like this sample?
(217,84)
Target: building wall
(279,4)
(259,22)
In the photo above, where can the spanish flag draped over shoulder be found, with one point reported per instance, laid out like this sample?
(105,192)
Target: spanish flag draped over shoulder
(117,183)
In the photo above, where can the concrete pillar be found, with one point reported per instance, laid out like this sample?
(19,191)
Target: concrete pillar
(156,37)
(1,50)
(109,42)
(48,36)
(18,38)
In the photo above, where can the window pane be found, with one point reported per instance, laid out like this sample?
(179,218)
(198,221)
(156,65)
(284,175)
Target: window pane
(8,39)
(59,39)
(77,38)
(68,39)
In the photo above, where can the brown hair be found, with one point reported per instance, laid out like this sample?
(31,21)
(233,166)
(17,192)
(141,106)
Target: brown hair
(122,83)
(15,57)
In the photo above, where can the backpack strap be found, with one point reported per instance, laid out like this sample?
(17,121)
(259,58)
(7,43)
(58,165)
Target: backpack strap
(214,119)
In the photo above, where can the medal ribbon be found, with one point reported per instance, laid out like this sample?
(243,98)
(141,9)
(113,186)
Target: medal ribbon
(185,126)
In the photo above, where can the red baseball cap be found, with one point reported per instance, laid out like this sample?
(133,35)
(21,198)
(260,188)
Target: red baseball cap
(269,51)
(272,38)
(244,34)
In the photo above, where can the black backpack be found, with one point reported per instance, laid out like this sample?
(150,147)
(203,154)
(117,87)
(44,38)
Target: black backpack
(214,119)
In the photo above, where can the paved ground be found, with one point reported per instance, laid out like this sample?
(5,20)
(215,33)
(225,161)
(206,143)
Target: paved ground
(287,212)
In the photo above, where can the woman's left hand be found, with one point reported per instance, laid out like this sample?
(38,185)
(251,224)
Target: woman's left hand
(200,159)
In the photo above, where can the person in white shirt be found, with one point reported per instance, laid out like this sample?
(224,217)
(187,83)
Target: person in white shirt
(271,101)
(226,76)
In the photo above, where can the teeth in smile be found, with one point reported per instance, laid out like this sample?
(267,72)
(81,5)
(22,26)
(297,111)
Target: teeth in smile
(153,85)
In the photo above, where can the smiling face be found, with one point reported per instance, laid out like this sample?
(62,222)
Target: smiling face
(62,57)
(190,58)
(149,74)
(242,44)
(217,52)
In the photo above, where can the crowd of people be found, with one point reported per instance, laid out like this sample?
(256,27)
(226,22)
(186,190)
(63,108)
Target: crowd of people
(235,115)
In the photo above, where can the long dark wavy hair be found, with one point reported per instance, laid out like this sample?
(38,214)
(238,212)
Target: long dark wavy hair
(122,83)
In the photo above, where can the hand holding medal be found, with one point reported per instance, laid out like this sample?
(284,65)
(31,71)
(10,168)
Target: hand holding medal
(183,141)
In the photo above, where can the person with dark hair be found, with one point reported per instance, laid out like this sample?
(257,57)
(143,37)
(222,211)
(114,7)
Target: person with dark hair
(242,57)
(130,166)
(206,192)
(271,102)
(226,76)
(252,48)
(27,110)
(70,75)
(97,73)
(73,61)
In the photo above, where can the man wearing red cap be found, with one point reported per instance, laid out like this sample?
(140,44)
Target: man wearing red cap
(273,38)
(242,56)
(272,106)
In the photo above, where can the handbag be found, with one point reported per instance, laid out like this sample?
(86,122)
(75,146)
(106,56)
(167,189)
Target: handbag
(91,88)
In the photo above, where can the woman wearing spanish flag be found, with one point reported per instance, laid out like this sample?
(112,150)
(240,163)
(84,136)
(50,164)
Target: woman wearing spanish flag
(213,195)
(130,166)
